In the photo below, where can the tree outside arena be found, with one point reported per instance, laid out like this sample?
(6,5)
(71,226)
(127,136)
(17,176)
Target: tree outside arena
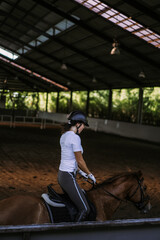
(124,103)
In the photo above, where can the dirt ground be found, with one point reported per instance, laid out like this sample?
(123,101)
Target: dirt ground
(29,160)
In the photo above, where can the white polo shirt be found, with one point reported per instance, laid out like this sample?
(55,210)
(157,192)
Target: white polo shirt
(70,143)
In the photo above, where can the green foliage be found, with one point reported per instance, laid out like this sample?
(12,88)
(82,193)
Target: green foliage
(124,103)
(52,99)
(151,106)
(79,100)
(98,105)
(64,102)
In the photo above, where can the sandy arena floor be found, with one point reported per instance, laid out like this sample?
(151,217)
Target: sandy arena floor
(29,160)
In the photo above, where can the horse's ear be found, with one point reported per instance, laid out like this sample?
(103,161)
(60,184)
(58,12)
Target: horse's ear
(139,173)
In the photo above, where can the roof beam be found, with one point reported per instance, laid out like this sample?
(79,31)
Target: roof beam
(59,41)
(8,36)
(82,53)
(10,12)
(42,86)
(145,10)
(13,74)
(96,32)
(40,64)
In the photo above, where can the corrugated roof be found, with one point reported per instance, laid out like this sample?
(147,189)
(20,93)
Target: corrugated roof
(45,34)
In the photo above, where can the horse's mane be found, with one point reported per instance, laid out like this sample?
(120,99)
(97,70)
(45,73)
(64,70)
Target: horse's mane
(115,177)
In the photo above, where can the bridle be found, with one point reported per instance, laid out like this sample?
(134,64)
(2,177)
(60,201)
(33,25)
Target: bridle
(143,201)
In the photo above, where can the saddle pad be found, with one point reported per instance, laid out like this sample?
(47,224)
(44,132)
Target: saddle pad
(52,203)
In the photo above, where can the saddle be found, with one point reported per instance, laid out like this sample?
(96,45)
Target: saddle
(61,209)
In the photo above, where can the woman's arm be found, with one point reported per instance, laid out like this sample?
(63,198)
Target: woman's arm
(81,163)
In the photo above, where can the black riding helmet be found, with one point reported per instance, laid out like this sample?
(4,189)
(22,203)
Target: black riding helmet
(77,117)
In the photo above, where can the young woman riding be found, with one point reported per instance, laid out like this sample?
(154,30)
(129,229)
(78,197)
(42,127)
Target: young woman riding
(72,161)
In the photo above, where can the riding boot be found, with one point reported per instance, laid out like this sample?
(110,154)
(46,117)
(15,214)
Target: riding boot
(81,216)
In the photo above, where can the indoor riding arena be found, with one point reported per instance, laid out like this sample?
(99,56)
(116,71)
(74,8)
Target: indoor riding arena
(99,57)
(30,157)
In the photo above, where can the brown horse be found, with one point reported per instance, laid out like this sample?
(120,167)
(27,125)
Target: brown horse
(106,197)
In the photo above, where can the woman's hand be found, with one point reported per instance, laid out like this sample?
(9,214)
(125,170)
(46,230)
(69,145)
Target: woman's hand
(83,174)
(82,165)
(91,176)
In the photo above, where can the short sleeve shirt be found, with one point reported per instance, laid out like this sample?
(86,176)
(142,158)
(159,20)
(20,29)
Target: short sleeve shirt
(70,143)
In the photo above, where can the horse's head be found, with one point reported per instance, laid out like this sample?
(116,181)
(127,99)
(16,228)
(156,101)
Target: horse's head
(138,194)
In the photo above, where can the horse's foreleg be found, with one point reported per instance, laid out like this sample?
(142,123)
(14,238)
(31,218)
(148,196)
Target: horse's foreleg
(101,216)
(106,209)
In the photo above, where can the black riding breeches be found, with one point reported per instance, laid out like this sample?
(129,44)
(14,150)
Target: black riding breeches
(68,183)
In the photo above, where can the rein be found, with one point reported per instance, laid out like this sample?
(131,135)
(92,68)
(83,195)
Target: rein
(114,196)
(141,204)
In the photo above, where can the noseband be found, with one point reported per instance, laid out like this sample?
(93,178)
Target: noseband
(143,201)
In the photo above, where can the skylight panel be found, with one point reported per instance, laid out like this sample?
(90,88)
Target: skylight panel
(122,25)
(135,27)
(61,25)
(105,15)
(87,5)
(80,1)
(92,2)
(114,20)
(154,43)
(8,53)
(129,29)
(138,34)
(121,20)
(111,13)
(100,7)
(50,31)
(146,39)
(57,31)
(153,37)
(33,43)
(95,9)
(58,28)
(42,38)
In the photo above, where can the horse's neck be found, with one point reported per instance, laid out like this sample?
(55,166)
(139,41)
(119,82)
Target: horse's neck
(105,203)
(120,187)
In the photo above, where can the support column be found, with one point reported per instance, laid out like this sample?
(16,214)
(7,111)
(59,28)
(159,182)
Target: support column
(140,106)
(57,103)
(46,101)
(110,104)
(87,103)
(70,104)
(37,103)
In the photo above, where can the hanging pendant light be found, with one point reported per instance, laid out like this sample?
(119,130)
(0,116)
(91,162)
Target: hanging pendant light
(141,75)
(64,66)
(115,50)
(94,80)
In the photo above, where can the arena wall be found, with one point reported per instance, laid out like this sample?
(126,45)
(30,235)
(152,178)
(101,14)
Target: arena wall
(130,130)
